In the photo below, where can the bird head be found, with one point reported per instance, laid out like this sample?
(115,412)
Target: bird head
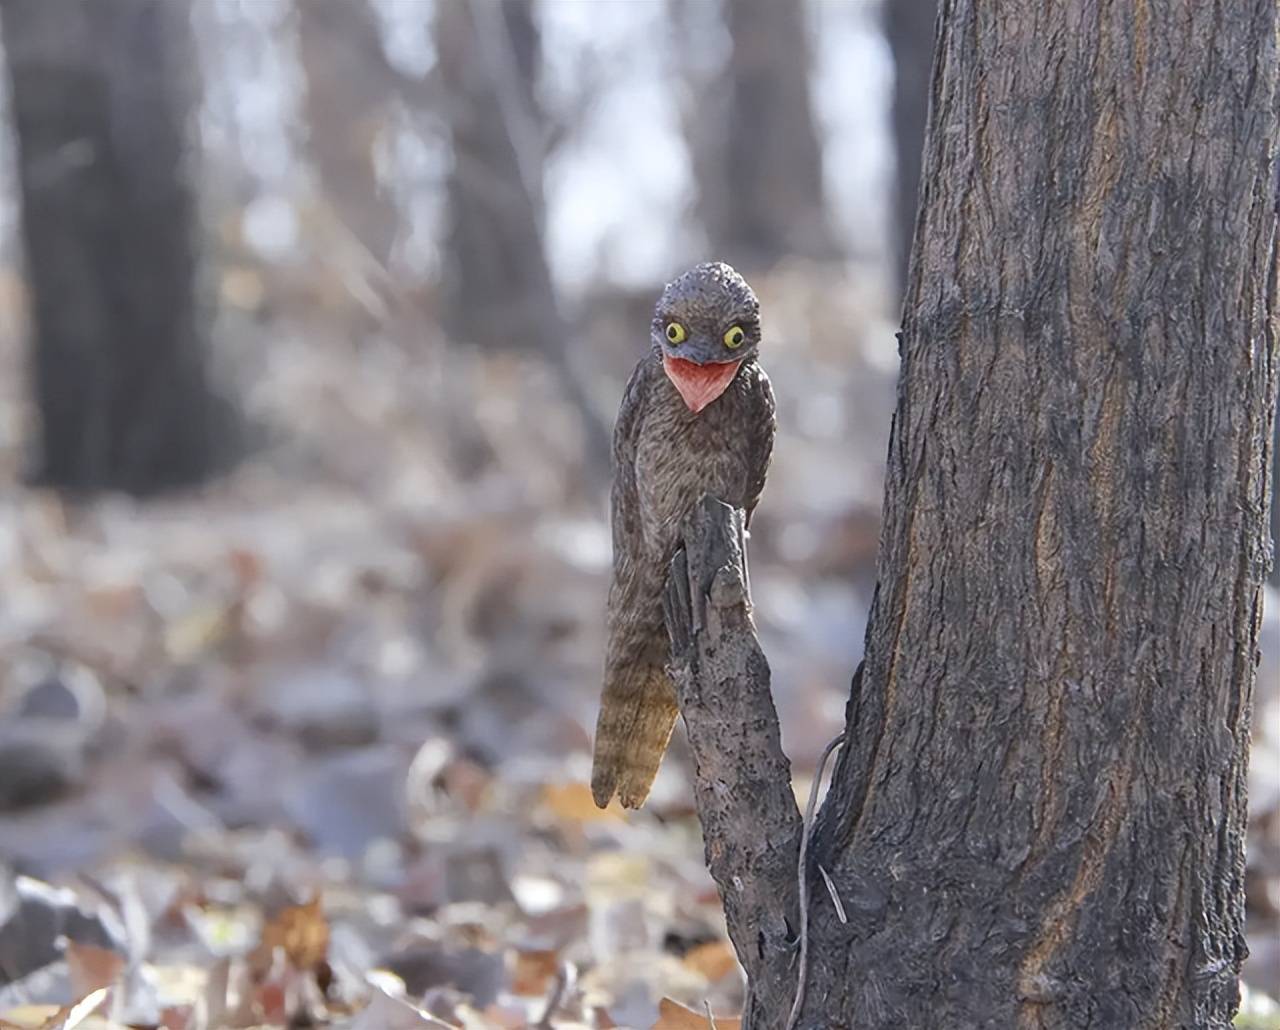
(706,324)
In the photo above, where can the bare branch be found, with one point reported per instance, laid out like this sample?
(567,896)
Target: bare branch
(742,784)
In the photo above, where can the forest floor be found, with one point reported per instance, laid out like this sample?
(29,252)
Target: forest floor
(310,746)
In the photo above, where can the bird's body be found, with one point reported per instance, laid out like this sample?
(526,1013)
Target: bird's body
(687,427)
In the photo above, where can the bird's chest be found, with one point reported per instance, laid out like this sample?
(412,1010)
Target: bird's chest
(680,457)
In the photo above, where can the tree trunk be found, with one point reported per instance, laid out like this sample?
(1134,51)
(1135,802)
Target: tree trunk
(1038,819)
(909,28)
(760,189)
(349,91)
(101,101)
(1038,815)
(498,290)
(1275,505)
(498,284)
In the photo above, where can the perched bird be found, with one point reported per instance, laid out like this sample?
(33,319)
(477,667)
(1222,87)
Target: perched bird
(697,418)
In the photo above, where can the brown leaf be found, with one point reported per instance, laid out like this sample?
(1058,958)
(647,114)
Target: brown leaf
(713,960)
(301,932)
(92,967)
(534,971)
(272,1001)
(674,1016)
(176,1017)
(502,1018)
(572,802)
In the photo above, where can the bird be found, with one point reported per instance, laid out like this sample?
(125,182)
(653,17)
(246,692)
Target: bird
(697,418)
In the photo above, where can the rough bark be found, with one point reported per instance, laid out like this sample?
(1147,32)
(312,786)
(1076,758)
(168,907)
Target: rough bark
(909,29)
(742,779)
(101,97)
(757,152)
(1038,819)
(1275,505)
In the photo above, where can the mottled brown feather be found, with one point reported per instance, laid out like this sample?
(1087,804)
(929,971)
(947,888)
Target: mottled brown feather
(665,459)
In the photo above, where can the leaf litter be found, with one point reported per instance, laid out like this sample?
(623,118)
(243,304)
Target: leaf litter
(310,746)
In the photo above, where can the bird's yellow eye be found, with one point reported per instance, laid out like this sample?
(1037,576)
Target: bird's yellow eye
(734,338)
(676,332)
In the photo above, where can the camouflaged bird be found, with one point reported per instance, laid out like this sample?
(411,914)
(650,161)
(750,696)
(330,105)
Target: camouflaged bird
(697,418)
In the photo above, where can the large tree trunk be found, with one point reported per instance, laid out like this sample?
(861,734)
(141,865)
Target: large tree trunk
(757,151)
(1039,817)
(908,27)
(1275,505)
(101,100)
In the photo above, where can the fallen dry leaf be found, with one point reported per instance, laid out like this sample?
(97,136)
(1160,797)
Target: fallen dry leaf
(500,1017)
(713,960)
(534,971)
(79,1016)
(572,802)
(301,932)
(92,967)
(674,1016)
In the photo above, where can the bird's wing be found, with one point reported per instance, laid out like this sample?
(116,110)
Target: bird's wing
(624,497)
(637,703)
(762,424)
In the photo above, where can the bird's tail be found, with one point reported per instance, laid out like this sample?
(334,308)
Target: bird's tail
(637,714)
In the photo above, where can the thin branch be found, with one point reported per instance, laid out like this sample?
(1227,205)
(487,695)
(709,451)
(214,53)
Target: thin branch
(835,896)
(804,881)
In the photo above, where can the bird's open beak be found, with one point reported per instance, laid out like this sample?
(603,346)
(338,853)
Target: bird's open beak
(698,384)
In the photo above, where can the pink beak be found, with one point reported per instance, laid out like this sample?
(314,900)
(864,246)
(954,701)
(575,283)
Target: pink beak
(698,384)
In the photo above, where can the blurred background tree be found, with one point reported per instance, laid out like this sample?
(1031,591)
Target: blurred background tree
(760,183)
(909,30)
(350,89)
(497,285)
(101,98)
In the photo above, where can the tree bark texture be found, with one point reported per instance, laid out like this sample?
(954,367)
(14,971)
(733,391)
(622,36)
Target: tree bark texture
(742,779)
(1275,505)
(1038,818)
(909,29)
(759,158)
(101,96)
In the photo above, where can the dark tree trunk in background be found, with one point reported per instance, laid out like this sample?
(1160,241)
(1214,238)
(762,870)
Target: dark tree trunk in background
(349,90)
(909,28)
(759,159)
(1039,817)
(497,285)
(101,100)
